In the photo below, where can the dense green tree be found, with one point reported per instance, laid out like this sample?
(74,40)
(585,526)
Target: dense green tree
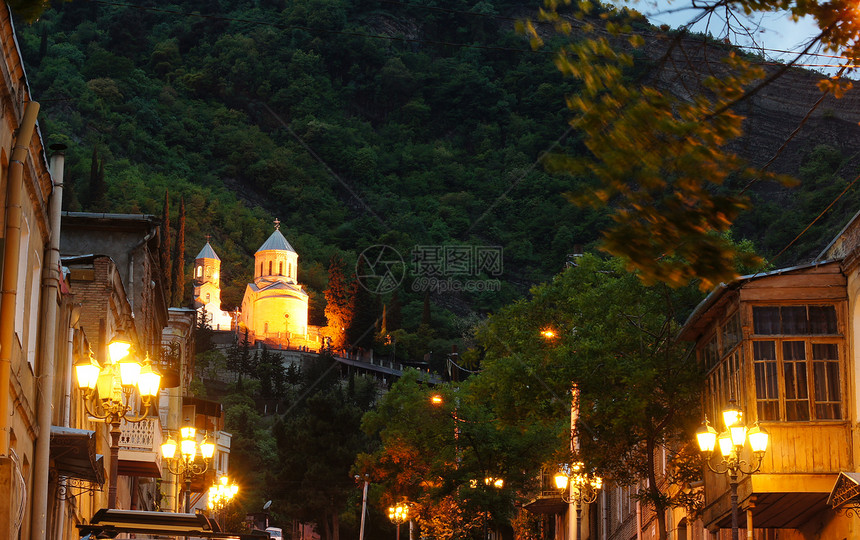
(437,457)
(318,441)
(366,320)
(615,339)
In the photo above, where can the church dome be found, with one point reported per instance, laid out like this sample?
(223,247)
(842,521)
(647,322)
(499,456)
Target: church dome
(276,242)
(207,253)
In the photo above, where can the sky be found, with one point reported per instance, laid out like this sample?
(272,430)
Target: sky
(778,35)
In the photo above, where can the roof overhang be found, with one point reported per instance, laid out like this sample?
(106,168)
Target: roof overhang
(73,452)
(108,523)
(546,505)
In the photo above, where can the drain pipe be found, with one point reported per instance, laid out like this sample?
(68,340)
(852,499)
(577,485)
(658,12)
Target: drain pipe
(11,259)
(50,289)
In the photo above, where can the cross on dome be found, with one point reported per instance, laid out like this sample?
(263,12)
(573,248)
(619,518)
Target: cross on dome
(277,224)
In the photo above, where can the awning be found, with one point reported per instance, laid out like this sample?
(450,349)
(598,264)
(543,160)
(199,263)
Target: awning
(108,523)
(73,452)
(547,505)
(846,492)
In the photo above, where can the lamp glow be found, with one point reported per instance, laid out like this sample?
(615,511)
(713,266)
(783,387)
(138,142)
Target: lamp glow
(726,446)
(207,449)
(188,448)
(561,480)
(87,372)
(118,349)
(758,437)
(732,415)
(707,437)
(168,449)
(739,434)
(149,380)
(129,371)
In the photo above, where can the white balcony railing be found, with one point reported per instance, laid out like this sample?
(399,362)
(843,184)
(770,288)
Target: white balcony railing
(141,442)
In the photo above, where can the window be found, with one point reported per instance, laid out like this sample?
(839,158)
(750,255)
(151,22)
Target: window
(710,355)
(280,268)
(199,271)
(731,334)
(797,375)
(794,320)
(724,384)
(270,268)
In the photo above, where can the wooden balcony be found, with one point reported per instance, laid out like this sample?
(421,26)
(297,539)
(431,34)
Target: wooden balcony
(140,448)
(797,474)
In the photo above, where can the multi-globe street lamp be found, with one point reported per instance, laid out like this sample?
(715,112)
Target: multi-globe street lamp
(398,514)
(577,486)
(731,443)
(221,494)
(108,394)
(185,464)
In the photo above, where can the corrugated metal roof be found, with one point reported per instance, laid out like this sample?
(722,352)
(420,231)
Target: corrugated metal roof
(276,242)
(207,253)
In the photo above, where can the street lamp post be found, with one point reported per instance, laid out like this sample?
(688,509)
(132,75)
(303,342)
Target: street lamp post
(731,443)
(108,394)
(185,464)
(398,514)
(577,487)
(220,495)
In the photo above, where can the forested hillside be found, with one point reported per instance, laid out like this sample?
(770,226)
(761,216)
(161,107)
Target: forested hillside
(355,123)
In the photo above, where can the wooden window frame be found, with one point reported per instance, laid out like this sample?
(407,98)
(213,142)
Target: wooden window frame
(787,372)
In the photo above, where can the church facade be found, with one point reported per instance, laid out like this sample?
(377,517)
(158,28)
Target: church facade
(275,305)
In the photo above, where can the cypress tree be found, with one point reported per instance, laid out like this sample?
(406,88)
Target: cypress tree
(179,259)
(425,312)
(393,316)
(164,251)
(98,189)
(340,304)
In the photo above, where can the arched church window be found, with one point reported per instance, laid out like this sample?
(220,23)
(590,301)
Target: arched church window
(290,270)
(208,297)
(208,272)
(261,269)
(266,328)
(280,268)
(270,268)
(199,271)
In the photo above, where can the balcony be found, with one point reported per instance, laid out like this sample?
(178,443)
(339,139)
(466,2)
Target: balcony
(547,499)
(140,448)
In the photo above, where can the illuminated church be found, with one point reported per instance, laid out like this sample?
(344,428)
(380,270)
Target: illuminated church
(275,306)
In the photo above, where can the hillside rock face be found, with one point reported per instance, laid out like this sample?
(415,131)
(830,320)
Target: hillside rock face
(773,112)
